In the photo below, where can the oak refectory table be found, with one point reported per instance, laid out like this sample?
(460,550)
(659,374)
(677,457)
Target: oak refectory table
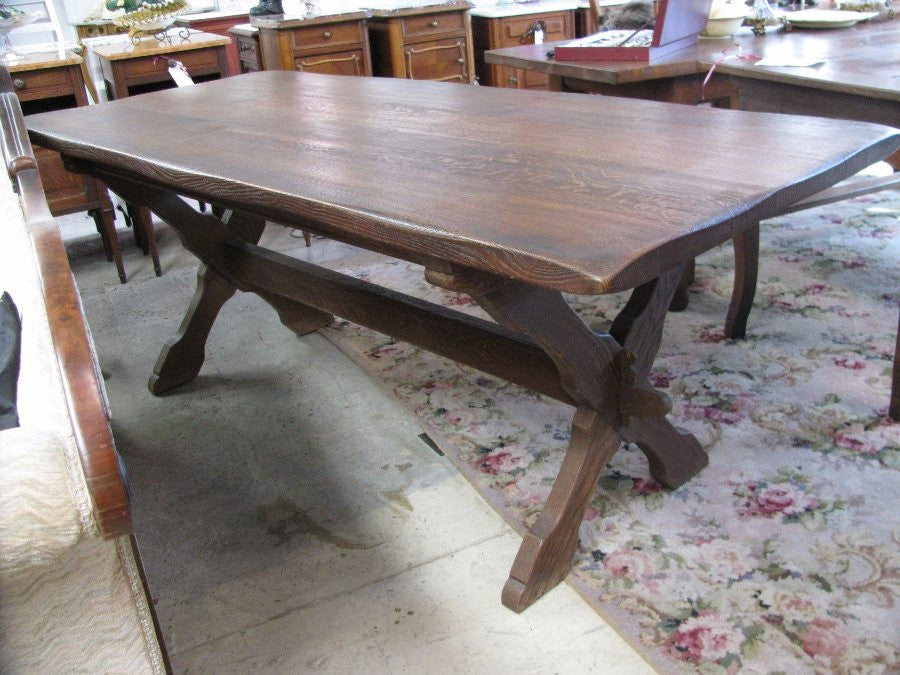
(507,196)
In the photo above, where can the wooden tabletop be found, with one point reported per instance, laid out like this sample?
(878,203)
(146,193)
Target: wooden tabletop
(151,46)
(585,194)
(41,60)
(863,59)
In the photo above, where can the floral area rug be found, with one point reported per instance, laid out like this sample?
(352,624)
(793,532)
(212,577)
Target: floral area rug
(782,555)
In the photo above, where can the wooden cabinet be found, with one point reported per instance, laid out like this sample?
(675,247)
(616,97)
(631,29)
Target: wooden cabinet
(334,45)
(129,70)
(246,39)
(217,23)
(423,43)
(45,82)
(494,32)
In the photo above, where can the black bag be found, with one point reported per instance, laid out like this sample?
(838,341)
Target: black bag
(10,344)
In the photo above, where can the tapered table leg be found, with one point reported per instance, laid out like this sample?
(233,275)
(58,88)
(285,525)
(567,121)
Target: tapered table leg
(894,410)
(746,268)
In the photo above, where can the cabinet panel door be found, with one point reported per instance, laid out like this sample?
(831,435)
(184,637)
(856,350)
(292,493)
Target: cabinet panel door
(338,63)
(443,60)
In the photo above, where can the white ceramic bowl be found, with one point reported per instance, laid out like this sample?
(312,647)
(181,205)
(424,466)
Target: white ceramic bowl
(722,26)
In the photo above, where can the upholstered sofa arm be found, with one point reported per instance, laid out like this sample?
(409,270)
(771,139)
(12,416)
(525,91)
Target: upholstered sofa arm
(80,383)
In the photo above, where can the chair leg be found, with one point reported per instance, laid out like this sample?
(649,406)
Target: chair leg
(894,410)
(746,268)
(106,226)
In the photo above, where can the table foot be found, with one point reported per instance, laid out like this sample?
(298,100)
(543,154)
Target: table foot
(746,267)
(545,556)
(605,375)
(675,456)
(183,355)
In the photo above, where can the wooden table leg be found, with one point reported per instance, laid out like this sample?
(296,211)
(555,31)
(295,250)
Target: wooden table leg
(894,410)
(205,235)
(607,378)
(746,269)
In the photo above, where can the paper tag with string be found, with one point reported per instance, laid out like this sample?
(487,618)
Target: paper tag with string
(538,36)
(179,73)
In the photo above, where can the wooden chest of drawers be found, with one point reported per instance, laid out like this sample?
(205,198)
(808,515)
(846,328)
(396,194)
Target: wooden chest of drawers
(45,82)
(511,31)
(423,43)
(335,45)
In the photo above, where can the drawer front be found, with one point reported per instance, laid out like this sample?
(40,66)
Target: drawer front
(347,33)
(198,61)
(515,30)
(248,52)
(432,24)
(336,63)
(443,60)
(517,78)
(45,83)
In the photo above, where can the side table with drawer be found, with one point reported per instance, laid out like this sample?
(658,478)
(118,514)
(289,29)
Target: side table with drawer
(136,69)
(45,82)
(423,42)
(499,26)
(335,44)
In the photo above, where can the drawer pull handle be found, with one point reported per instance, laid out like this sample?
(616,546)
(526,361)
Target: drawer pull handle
(513,79)
(460,61)
(327,35)
(434,24)
(19,83)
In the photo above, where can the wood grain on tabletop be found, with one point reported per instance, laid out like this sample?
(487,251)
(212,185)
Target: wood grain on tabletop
(579,193)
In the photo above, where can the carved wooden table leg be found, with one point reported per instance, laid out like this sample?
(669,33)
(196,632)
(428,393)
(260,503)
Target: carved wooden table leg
(609,386)
(205,236)
(746,267)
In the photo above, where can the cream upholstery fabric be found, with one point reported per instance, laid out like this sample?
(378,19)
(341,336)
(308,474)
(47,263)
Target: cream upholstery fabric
(70,602)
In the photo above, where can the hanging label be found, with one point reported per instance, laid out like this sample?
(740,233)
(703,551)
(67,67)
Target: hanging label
(538,36)
(180,74)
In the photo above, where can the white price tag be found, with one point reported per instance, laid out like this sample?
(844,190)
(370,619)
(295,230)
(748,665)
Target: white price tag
(539,36)
(180,74)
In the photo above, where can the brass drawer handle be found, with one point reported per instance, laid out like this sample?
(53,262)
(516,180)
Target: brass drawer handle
(513,79)
(327,35)
(19,83)
(434,24)
(460,61)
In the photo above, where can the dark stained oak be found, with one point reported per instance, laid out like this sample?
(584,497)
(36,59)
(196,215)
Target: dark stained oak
(506,196)
(858,80)
(479,178)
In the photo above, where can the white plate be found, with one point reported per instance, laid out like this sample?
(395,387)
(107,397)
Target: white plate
(827,18)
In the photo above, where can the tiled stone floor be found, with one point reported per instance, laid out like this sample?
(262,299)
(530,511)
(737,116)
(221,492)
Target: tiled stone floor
(289,516)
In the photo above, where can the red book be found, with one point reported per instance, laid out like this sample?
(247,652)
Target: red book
(678,25)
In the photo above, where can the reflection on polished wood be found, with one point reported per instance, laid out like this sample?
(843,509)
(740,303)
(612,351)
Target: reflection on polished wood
(463,183)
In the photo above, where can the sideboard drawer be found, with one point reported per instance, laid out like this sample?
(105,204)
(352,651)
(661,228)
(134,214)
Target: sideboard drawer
(555,28)
(326,35)
(42,83)
(429,24)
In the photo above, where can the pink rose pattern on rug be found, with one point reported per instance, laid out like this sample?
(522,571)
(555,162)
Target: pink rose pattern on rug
(782,555)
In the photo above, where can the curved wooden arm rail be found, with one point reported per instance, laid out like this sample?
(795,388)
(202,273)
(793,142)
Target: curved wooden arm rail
(74,351)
